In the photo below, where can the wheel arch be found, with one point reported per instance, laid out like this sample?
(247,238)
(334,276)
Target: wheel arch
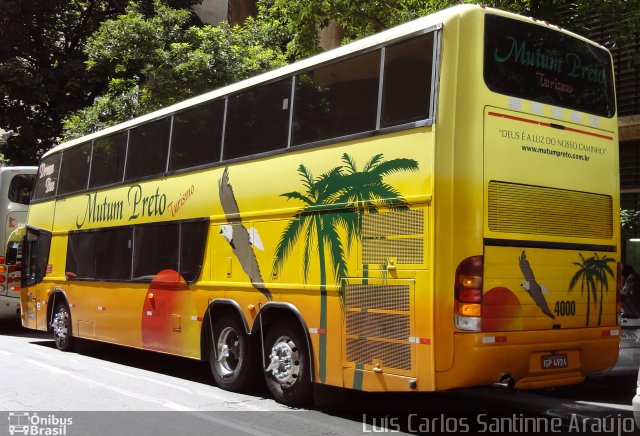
(271,313)
(57,295)
(217,308)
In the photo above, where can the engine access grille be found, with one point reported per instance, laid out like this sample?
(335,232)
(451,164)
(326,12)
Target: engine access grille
(378,324)
(397,234)
(539,210)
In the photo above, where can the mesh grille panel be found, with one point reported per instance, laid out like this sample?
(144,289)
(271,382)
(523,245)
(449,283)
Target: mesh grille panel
(393,234)
(377,251)
(377,314)
(381,297)
(389,354)
(548,211)
(379,325)
(406,222)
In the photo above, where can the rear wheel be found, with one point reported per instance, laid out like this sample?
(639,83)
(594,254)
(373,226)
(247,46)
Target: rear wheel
(231,356)
(287,374)
(61,327)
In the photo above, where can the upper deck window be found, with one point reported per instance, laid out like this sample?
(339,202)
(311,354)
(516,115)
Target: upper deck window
(538,63)
(76,161)
(108,159)
(148,149)
(337,100)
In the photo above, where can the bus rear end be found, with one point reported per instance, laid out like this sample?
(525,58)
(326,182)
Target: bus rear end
(537,305)
(16,186)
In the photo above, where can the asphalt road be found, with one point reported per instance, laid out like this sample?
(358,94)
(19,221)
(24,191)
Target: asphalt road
(104,390)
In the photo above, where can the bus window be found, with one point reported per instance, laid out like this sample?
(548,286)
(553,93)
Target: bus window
(76,162)
(148,148)
(20,188)
(155,249)
(108,159)
(337,100)
(100,255)
(193,237)
(528,61)
(407,73)
(196,136)
(258,120)
(35,256)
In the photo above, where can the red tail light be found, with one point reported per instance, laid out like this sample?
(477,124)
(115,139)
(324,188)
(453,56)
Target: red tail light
(468,294)
(469,280)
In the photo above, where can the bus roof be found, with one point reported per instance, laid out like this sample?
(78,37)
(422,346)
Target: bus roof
(411,27)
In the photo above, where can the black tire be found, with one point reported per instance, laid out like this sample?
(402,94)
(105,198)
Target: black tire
(288,371)
(61,327)
(231,355)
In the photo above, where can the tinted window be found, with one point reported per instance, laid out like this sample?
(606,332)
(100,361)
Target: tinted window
(35,257)
(155,249)
(337,100)
(20,188)
(258,120)
(196,136)
(47,177)
(81,256)
(148,148)
(113,254)
(406,94)
(75,162)
(108,159)
(100,255)
(534,62)
(192,243)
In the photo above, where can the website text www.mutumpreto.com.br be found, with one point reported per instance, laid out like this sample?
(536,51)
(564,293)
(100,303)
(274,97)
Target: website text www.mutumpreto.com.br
(545,150)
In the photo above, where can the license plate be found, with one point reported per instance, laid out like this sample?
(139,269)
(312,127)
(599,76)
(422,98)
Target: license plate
(554,361)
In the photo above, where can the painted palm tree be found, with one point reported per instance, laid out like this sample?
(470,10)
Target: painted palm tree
(365,191)
(319,229)
(601,271)
(346,187)
(586,275)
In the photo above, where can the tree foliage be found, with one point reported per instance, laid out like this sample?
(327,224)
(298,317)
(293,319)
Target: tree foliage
(151,62)
(87,64)
(359,18)
(43,75)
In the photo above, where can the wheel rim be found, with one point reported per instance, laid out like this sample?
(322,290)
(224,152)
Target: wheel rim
(284,361)
(229,352)
(60,326)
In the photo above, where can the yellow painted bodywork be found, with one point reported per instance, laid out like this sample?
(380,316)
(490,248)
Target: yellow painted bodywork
(457,157)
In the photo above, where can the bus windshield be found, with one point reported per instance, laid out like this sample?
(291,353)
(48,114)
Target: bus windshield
(536,63)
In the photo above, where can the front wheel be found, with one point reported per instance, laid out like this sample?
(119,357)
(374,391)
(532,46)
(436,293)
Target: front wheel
(61,327)
(287,374)
(231,359)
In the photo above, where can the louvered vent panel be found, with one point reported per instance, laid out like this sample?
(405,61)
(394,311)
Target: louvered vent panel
(378,325)
(540,210)
(396,234)
(392,355)
(381,297)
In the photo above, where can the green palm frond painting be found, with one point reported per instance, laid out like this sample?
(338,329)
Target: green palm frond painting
(337,199)
(592,275)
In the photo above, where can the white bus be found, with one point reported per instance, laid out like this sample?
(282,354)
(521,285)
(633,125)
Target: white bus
(16,186)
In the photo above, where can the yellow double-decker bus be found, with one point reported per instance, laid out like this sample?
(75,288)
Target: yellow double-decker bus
(435,206)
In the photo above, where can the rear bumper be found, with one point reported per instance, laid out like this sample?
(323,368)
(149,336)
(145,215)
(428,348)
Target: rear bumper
(485,358)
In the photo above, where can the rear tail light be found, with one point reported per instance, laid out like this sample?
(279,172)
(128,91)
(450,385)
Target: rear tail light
(468,294)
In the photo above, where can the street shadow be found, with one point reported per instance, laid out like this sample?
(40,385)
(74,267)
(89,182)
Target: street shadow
(173,366)
(13,327)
